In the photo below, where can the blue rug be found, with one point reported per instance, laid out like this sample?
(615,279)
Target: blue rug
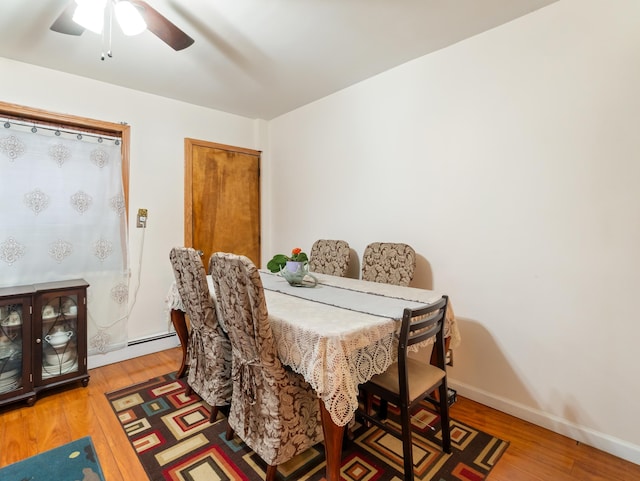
(76,461)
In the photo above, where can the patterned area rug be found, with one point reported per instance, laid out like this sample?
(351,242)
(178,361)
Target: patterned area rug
(173,439)
(76,461)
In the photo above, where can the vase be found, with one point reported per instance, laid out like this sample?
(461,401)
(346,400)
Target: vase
(295,266)
(297,274)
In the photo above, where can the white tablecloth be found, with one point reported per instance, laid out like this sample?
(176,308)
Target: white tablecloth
(337,348)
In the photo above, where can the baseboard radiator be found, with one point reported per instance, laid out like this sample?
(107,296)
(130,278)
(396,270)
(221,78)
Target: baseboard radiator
(151,339)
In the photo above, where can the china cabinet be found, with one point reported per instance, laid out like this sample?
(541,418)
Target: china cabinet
(43,338)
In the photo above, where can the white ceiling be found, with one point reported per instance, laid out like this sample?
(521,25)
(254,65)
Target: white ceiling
(255,58)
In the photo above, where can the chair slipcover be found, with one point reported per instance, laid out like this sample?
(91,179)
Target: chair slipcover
(329,257)
(389,263)
(273,410)
(209,349)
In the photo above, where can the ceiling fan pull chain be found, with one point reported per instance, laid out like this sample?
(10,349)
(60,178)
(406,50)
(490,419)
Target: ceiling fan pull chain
(110,28)
(107,35)
(102,42)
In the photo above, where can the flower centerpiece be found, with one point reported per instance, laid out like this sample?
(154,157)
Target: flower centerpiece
(294,268)
(279,261)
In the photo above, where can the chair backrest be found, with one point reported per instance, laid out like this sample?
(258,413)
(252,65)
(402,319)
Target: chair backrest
(242,305)
(191,281)
(389,263)
(329,257)
(419,325)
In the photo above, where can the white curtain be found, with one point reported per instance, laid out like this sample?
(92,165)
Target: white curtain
(62,216)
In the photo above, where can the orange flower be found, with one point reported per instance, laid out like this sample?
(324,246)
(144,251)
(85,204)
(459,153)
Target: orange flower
(280,260)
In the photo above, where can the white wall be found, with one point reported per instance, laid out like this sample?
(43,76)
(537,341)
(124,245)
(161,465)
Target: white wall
(510,162)
(158,128)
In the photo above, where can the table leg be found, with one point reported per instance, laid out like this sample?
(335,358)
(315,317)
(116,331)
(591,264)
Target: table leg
(434,354)
(434,362)
(332,443)
(180,325)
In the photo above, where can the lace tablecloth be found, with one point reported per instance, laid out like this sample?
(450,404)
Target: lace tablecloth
(337,344)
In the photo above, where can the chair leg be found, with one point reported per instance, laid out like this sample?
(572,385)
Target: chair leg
(368,404)
(383,409)
(229,434)
(214,414)
(407,442)
(367,400)
(348,436)
(188,391)
(272,472)
(445,421)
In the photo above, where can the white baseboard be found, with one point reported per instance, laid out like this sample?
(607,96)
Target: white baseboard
(604,442)
(137,348)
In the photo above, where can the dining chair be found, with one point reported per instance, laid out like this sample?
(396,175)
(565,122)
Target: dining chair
(329,257)
(389,263)
(209,349)
(410,381)
(273,409)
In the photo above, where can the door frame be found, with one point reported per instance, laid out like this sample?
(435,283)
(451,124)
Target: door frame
(189,144)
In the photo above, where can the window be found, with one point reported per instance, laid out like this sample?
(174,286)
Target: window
(64,211)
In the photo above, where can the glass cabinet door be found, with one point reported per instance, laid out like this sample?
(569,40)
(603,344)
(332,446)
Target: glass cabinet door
(13,315)
(59,335)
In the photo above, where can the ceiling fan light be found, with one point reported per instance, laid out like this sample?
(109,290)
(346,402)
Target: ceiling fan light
(90,14)
(129,18)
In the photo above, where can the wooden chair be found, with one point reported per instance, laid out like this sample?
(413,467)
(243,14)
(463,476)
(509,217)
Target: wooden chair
(209,349)
(329,257)
(273,410)
(410,381)
(389,263)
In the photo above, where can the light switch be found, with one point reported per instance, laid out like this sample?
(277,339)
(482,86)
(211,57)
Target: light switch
(142,218)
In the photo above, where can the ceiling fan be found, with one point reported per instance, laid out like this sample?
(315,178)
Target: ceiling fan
(133,17)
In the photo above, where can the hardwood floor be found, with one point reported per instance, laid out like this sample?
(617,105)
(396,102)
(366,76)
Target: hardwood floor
(58,417)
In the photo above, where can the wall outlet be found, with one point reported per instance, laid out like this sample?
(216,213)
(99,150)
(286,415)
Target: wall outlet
(142,218)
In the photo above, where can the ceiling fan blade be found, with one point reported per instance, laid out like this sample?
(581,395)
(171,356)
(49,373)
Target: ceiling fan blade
(65,24)
(162,28)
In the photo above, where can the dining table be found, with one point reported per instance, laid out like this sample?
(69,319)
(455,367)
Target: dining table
(337,333)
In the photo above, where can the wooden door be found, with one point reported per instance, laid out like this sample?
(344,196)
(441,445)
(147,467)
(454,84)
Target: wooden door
(222,199)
